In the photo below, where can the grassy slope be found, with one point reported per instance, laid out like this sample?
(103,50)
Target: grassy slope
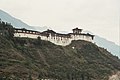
(25,58)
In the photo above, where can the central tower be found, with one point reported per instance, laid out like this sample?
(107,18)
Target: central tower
(77,31)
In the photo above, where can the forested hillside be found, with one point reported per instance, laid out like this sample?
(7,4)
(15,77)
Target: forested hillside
(24,58)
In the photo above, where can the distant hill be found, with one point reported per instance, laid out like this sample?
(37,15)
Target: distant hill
(15,22)
(18,23)
(110,46)
(32,59)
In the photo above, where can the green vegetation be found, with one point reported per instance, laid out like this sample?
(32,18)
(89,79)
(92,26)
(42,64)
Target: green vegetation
(24,58)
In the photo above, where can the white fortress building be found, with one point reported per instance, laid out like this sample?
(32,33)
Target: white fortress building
(52,36)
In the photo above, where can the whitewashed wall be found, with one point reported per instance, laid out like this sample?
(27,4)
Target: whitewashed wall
(82,37)
(26,35)
(55,39)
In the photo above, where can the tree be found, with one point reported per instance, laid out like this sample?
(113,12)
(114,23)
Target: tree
(30,77)
(82,76)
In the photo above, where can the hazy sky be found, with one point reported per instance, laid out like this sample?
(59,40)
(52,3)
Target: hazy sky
(98,16)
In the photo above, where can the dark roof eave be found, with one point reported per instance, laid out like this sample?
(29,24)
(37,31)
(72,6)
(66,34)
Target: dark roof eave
(25,30)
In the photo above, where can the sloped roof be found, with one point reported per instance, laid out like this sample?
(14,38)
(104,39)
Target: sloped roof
(77,29)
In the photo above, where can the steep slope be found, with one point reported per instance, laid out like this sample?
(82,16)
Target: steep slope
(110,46)
(23,58)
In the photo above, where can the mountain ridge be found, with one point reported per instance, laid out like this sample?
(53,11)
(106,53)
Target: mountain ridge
(18,23)
(110,46)
(15,22)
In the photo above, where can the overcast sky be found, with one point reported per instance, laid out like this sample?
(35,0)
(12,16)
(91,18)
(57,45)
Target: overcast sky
(98,16)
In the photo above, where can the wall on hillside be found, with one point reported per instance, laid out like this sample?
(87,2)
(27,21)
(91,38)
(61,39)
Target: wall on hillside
(56,39)
(81,37)
(34,36)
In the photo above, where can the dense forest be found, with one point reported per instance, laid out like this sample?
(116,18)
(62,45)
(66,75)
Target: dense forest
(31,59)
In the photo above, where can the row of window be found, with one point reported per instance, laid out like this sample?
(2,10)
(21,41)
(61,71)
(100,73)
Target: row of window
(32,32)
